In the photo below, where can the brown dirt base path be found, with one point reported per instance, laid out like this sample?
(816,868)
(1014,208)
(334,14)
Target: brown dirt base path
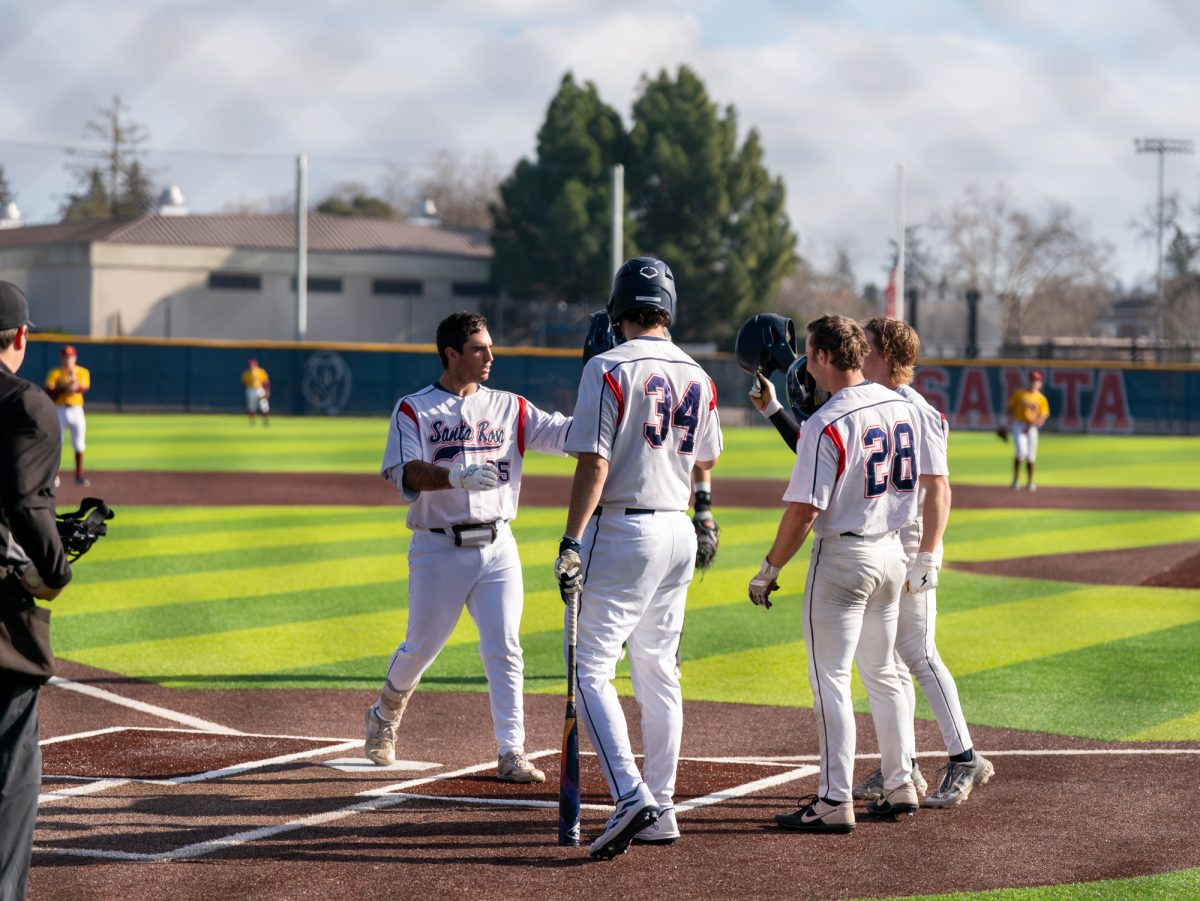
(160,808)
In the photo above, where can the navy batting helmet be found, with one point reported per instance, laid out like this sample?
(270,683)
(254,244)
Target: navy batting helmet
(765,343)
(642,282)
(601,336)
(802,392)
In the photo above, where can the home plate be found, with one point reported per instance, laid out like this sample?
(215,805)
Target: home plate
(362,765)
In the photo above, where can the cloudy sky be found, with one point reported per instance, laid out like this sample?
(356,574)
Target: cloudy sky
(1043,97)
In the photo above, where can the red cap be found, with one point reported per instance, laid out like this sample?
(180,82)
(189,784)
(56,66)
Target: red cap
(69,351)
(1036,374)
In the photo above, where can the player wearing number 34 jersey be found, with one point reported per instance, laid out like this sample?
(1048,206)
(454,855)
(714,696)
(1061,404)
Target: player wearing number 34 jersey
(646,415)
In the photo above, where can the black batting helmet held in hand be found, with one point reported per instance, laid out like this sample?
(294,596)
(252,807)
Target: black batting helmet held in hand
(642,282)
(802,392)
(765,343)
(601,336)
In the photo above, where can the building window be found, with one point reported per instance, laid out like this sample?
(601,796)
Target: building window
(398,287)
(233,281)
(321,285)
(472,289)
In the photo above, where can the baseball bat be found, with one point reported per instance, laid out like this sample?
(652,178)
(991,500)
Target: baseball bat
(568,781)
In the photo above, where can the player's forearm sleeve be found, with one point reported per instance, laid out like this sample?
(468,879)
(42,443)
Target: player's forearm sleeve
(787,427)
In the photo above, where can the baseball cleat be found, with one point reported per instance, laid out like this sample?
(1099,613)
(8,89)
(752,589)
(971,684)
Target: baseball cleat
(817,815)
(959,781)
(516,767)
(380,745)
(872,787)
(663,831)
(633,814)
(82,482)
(900,801)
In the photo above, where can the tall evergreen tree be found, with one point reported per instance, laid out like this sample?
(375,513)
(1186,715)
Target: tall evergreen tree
(706,206)
(6,193)
(91,202)
(119,177)
(551,227)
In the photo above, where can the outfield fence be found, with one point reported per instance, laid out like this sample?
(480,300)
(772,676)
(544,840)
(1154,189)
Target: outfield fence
(140,375)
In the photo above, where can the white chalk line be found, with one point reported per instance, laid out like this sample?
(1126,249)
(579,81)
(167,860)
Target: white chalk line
(394,795)
(142,707)
(1016,752)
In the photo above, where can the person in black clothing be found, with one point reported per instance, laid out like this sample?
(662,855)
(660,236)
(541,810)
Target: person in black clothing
(32,565)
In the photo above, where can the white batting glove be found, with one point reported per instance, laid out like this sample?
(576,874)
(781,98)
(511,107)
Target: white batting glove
(764,583)
(923,574)
(474,476)
(568,568)
(762,395)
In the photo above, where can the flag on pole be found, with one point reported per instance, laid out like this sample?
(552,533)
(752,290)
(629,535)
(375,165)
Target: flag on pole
(889,296)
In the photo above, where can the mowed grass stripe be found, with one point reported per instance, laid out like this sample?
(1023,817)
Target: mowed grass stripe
(1019,535)
(1080,692)
(1078,617)
(254,581)
(199,618)
(262,550)
(141,523)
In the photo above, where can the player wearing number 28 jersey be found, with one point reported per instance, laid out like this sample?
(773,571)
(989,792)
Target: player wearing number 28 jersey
(854,485)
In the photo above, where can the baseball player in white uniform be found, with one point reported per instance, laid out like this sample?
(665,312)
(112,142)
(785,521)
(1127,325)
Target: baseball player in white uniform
(455,452)
(854,484)
(646,414)
(894,349)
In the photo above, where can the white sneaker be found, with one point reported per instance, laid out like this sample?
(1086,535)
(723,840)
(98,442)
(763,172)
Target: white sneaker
(1031,486)
(663,831)
(900,801)
(872,787)
(516,767)
(380,745)
(633,814)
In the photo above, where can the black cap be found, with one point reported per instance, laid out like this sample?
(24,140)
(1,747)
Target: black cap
(14,308)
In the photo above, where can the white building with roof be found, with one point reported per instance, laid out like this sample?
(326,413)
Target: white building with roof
(233,276)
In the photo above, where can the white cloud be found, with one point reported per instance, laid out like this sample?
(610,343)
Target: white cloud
(1044,98)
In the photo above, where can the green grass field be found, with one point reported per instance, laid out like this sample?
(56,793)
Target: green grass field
(270,597)
(320,444)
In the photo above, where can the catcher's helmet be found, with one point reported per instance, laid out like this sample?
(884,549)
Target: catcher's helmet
(642,282)
(802,392)
(766,343)
(601,336)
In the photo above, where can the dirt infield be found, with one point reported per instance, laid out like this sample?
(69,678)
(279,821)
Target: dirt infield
(256,815)
(152,792)
(225,488)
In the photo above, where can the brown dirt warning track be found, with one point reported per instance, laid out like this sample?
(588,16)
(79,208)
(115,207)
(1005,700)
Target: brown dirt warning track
(151,792)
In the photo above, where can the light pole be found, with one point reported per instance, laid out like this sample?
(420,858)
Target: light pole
(1161,146)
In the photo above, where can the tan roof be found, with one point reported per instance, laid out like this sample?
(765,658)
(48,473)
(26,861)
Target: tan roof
(261,232)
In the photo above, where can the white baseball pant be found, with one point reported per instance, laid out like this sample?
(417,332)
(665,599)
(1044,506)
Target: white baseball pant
(442,579)
(71,419)
(851,604)
(637,569)
(1025,441)
(917,657)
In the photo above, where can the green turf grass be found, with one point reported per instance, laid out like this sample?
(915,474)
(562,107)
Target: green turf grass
(182,442)
(315,597)
(1184,884)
